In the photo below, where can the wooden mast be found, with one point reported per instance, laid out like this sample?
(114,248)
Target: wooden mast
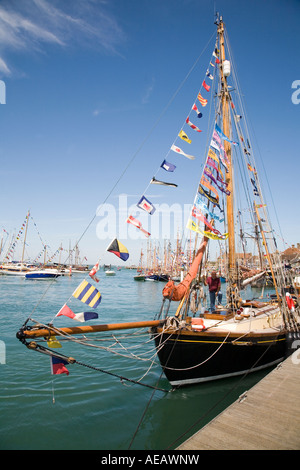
(229,176)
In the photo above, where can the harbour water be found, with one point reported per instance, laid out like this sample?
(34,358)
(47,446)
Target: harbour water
(90,409)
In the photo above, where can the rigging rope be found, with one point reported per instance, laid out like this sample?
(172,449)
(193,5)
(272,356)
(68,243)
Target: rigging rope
(129,163)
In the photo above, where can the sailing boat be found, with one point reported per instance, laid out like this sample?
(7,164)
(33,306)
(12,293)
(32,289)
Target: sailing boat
(43,273)
(16,269)
(193,345)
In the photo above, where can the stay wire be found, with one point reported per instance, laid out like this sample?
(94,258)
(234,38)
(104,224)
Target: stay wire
(131,161)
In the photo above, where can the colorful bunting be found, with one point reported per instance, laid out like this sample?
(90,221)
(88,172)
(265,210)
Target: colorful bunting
(86,316)
(223,136)
(208,173)
(58,366)
(211,162)
(255,190)
(164,183)
(118,249)
(202,100)
(137,224)
(192,125)
(178,150)
(82,316)
(66,311)
(146,205)
(193,226)
(203,207)
(88,294)
(207,87)
(216,138)
(214,145)
(183,136)
(198,215)
(207,184)
(211,198)
(93,272)
(197,111)
(167,166)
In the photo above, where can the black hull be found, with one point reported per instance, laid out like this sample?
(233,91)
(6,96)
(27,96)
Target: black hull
(194,358)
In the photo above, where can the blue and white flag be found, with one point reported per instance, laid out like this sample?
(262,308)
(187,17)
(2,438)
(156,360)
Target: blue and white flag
(85,316)
(203,207)
(167,166)
(223,136)
(209,75)
(146,205)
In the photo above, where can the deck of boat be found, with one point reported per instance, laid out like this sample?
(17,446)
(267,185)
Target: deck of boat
(267,417)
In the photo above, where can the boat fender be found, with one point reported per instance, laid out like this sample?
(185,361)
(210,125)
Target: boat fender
(198,323)
(290,302)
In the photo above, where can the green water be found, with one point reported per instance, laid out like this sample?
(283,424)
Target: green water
(91,410)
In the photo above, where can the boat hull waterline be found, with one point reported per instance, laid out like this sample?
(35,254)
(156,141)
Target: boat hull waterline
(202,357)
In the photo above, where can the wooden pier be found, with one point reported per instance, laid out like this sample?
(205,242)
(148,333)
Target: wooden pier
(267,417)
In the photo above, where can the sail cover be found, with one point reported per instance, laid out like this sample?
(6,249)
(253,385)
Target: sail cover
(176,293)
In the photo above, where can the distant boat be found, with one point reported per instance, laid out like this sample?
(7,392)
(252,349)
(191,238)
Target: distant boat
(11,269)
(42,274)
(152,277)
(110,272)
(17,269)
(139,277)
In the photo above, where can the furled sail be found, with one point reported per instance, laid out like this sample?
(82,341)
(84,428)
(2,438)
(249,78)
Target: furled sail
(173,292)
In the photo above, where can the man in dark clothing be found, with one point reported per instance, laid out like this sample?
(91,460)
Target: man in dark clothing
(214,285)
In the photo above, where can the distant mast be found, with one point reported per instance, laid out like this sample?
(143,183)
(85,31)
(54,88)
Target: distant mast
(25,236)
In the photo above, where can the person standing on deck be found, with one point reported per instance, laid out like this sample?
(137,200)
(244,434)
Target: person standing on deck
(214,285)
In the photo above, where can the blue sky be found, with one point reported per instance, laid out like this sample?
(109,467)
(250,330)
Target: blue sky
(89,94)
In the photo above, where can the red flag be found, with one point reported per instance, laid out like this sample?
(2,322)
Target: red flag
(202,100)
(192,125)
(197,110)
(93,271)
(137,224)
(58,366)
(207,87)
(66,311)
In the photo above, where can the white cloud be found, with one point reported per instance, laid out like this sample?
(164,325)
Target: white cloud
(145,98)
(29,25)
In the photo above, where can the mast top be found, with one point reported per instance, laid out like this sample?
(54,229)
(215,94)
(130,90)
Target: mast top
(219,18)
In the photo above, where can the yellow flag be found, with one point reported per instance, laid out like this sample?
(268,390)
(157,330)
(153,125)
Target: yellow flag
(53,343)
(183,136)
(212,155)
(191,225)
